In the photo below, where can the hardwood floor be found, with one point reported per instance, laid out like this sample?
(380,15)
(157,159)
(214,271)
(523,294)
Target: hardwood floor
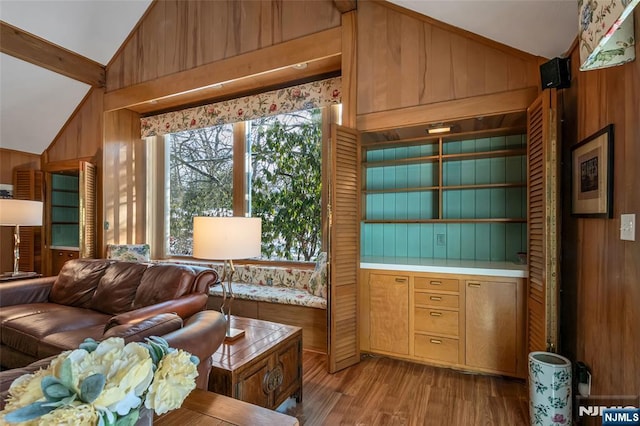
(383,391)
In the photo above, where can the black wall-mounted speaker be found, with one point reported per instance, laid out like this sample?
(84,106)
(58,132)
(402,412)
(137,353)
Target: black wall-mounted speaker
(556,73)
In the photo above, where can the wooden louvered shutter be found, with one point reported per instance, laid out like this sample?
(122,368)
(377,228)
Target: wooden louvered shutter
(88,209)
(344,251)
(542,295)
(27,185)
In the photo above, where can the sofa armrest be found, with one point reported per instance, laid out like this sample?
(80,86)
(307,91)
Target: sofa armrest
(184,307)
(201,335)
(21,292)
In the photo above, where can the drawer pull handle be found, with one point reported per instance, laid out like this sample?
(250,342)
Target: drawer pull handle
(60,254)
(435,298)
(435,314)
(401,280)
(436,282)
(474,284)
(273,379)
(436,341)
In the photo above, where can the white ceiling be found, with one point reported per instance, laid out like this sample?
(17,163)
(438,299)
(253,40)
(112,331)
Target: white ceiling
(35,103)
(542,27)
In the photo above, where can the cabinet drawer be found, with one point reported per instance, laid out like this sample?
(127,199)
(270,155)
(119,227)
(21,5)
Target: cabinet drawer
(436,284)
(436,321)
(436,348)
(436,299)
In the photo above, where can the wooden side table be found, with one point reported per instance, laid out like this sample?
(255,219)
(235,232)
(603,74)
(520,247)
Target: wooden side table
(264,367)
(207,408)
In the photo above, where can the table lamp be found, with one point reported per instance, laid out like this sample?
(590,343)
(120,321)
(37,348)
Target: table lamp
(227,239)
(19,213)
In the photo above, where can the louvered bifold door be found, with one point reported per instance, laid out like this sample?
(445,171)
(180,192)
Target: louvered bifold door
(88,210)
(543,283)
(27,185)
(344,253)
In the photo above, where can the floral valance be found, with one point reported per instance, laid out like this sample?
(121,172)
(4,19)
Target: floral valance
(305,96)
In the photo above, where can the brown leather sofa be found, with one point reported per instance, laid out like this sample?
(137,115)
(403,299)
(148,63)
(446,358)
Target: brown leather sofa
(43,317)
(201,335)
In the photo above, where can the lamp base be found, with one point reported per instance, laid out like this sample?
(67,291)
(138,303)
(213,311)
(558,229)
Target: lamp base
(233,334)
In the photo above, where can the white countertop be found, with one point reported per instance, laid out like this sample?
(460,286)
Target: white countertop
(444,266)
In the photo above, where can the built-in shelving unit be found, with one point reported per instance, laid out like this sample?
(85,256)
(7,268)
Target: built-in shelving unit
(65,210)
(451,197)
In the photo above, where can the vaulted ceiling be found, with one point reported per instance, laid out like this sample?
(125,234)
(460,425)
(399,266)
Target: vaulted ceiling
(35,102)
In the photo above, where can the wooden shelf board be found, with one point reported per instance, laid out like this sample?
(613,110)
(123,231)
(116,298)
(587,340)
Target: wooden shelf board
(403,161)
(386,191)
(485,186)
(484,154)
(492,220)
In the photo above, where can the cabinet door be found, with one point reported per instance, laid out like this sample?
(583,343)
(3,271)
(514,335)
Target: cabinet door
(60,257)
(491,325)
(251,385)
(287,373)
(389,313)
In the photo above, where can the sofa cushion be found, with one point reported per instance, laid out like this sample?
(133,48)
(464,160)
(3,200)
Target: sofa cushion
(318,280)
(77,281)
(157,325)
(160,283)
(30,324)
(117,287)
(276,294)
(55,343)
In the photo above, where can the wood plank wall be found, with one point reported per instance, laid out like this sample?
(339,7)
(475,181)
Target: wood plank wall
(81,136)
(9,160)
(179,35)
(124,180)
(405,59)
(600,273)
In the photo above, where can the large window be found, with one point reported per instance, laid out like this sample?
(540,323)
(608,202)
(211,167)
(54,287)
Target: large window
(282,184)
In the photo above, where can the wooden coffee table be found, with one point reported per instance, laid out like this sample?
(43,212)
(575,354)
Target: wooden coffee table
(207,408)
(264,367)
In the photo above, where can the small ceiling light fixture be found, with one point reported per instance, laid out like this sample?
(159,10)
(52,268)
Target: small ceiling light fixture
(439,128)
(300,66)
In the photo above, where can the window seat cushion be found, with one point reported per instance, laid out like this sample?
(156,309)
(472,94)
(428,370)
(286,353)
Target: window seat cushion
(273,294)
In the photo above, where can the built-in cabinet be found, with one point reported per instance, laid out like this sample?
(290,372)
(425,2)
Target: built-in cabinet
(65,209)
(454,197)
(70,213)
(468,322)
(390,320)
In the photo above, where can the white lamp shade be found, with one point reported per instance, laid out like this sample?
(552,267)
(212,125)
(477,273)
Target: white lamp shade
(606,33)
(226,238)
(20,212)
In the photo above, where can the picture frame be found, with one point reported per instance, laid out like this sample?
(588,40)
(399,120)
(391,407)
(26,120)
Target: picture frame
(6,190)
(592,175)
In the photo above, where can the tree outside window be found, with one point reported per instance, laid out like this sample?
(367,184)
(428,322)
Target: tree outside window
(283,185)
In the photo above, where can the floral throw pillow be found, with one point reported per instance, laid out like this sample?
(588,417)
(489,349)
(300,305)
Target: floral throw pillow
(318,280)
(128,252)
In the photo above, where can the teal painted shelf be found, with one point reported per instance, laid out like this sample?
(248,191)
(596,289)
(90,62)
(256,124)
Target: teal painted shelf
(445,199)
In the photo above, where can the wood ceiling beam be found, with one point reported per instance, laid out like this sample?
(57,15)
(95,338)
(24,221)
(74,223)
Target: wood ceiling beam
(345,6)
(40,52)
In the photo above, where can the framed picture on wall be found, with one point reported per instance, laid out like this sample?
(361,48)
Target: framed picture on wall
(592,175)
(6,190)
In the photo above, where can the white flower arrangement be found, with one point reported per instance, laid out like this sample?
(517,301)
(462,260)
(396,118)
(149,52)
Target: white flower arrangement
(103,384)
